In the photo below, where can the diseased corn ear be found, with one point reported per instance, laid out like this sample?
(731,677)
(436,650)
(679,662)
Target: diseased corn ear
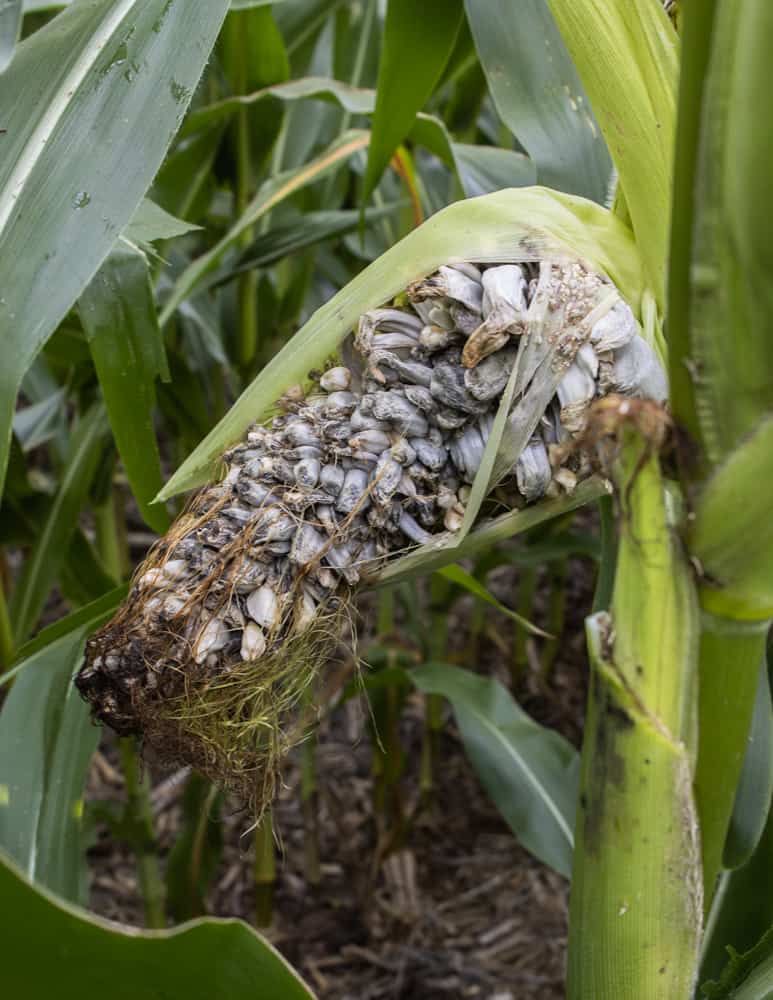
(480,380)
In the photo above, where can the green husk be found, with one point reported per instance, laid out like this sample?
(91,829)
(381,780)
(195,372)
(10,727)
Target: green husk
(636,903)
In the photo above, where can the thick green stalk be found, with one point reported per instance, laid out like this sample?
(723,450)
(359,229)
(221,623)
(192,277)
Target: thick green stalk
(636,902)
(433,704)
(7,644)
(143,837)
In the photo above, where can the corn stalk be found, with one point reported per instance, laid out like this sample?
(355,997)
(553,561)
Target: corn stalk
(636,892)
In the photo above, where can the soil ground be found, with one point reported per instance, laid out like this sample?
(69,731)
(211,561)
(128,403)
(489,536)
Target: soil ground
(455,908)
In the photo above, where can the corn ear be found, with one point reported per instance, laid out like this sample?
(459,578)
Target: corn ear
(636,906)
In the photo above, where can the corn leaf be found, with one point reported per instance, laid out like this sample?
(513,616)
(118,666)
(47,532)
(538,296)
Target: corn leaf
(480,169)
(507,225)
(746,977)
(755,786)
(88,958)
(530,772)
(272,192)
(455,574)
(119,316)
(42,779)
(732,300)
(418,40)
(151,222)
(299,234)
(50,548)
(483,169)
(539,96)
(734,540)
(743,907)
(726,696)
(626,55)
(94,70)
(10,26)
(696,48)
(88,619)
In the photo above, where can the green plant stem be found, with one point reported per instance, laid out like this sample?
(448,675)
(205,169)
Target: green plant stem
(111,538)
(265,870)
(433,705)
(7,645)
(527,588)
(140,815)
(559,570)
(636,908)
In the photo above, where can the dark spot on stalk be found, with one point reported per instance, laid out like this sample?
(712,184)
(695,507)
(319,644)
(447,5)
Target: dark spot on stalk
(583,801)
(607,721)
(662,970)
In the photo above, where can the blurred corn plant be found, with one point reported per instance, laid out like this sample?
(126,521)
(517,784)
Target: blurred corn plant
(185,184)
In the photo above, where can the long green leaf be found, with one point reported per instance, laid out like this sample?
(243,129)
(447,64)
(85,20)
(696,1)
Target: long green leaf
(538,94)
(290,237)
(87,618)
(87,958)
(755,786)
(50,549)
(480,169)
(696,49)
(418,40)
(78,151)
(530,772)
(46,743)
(506,225)
(455,574)
(732,300)
(119,316)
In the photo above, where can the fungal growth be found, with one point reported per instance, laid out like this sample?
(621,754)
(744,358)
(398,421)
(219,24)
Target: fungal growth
(234,611)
